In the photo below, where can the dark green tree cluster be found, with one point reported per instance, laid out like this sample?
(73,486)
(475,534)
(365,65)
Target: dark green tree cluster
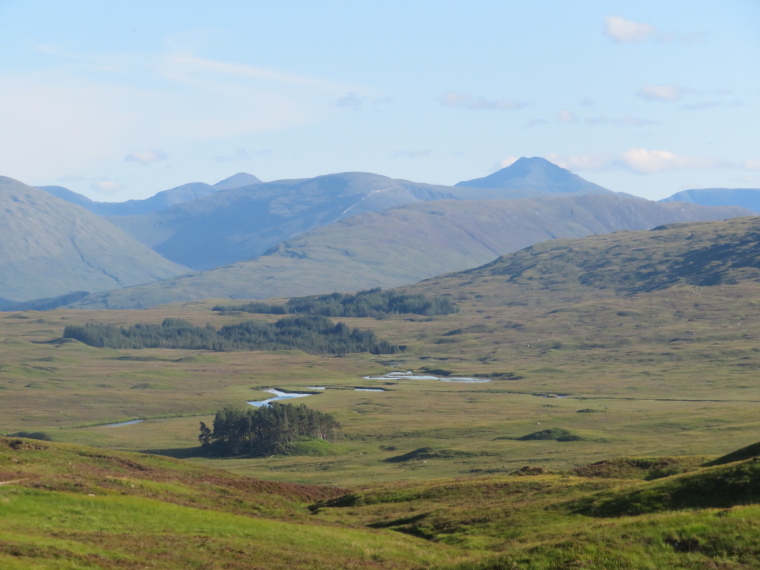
(370,303)
(172,333)
(312,334)
(266,430)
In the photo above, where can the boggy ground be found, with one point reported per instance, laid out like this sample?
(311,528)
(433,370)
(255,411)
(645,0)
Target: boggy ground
(671,372)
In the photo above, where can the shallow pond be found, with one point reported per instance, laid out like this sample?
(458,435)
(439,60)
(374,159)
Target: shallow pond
(412,376)
(129,423)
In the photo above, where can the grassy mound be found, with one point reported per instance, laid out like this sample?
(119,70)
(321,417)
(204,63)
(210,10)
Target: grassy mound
(554,434)
(425,453)
(647,468)
(314,447)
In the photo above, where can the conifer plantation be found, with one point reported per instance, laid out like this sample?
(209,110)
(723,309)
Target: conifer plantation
(271,429)
(312,334)
(370,303)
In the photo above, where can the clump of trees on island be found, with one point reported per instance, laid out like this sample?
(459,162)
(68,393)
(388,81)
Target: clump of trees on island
(371,303)
(313,334)
(272,429)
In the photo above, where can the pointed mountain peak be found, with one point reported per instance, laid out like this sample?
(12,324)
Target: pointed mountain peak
(538,174)
(236,181)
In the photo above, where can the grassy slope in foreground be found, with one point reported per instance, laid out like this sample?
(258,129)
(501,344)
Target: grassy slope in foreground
(75,507)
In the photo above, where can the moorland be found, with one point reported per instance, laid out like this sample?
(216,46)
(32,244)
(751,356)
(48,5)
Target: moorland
(591,403)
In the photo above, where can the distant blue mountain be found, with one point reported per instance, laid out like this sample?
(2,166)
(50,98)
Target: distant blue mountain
(745,197)
(538,176)
(156,203)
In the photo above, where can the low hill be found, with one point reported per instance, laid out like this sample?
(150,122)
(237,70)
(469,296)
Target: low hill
(51,247)
(405,244)
(745,197)
(700,254)
(532,175)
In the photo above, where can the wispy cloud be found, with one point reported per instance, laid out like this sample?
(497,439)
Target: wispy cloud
(624,31)
(351,101)
(627,121)
(106,186)
(710,104)
(81,111)
(641,160)
(566,116)
(411,153)
(146,156)
(662,92)
(647,161)
(593,161)
(468,101)
(241,154)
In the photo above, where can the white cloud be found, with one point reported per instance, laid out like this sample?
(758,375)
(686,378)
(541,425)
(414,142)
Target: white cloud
(145,156)
(536,122)
(593,161)
(509,161)
(662,92)
(106,186)
(751,164)
(643,161)
(565,116)
(467,101)
(626,31)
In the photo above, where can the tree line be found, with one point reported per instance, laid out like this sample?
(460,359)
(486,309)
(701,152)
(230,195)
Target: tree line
(272,429)
(313,334)
(371,303)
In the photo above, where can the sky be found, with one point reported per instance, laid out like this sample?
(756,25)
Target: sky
(119,100)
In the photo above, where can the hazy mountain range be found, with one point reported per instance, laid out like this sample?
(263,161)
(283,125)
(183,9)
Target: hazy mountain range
(745,197)
(346,231)
(406,244)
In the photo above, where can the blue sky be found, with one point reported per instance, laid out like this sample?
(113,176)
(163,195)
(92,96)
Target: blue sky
(119,100)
